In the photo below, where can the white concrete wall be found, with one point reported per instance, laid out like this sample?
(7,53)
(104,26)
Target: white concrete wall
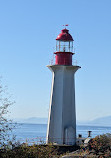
(62,116)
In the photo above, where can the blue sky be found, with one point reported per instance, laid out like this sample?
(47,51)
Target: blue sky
(27,40)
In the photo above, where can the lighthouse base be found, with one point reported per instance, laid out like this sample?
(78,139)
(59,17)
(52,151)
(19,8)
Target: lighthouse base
(62,116)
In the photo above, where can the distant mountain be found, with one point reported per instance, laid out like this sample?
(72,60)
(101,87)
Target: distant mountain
(102,121)
(32,120)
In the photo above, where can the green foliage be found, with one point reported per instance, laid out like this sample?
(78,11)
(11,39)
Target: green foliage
(101,143)
(35,151)
(25,151)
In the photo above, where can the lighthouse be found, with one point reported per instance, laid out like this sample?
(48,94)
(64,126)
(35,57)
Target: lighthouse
(61,128)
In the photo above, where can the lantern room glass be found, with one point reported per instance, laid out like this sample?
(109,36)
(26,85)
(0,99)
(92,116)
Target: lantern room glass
(64,46)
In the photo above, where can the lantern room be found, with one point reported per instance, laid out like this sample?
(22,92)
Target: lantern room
(64,41)
(64,48)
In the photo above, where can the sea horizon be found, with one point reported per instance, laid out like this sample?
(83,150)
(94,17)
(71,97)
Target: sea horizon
(28,132)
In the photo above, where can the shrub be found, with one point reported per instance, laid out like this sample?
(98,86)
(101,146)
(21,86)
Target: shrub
(101,143)
(25,151)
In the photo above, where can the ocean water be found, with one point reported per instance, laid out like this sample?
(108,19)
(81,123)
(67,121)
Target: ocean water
(36,133)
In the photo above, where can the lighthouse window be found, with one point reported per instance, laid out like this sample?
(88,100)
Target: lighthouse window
(63,46)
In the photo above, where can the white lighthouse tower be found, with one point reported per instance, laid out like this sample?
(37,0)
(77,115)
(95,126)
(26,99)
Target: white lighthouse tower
(62,115)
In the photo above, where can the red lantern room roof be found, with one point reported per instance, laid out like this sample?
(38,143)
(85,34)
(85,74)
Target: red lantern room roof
(64,36)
